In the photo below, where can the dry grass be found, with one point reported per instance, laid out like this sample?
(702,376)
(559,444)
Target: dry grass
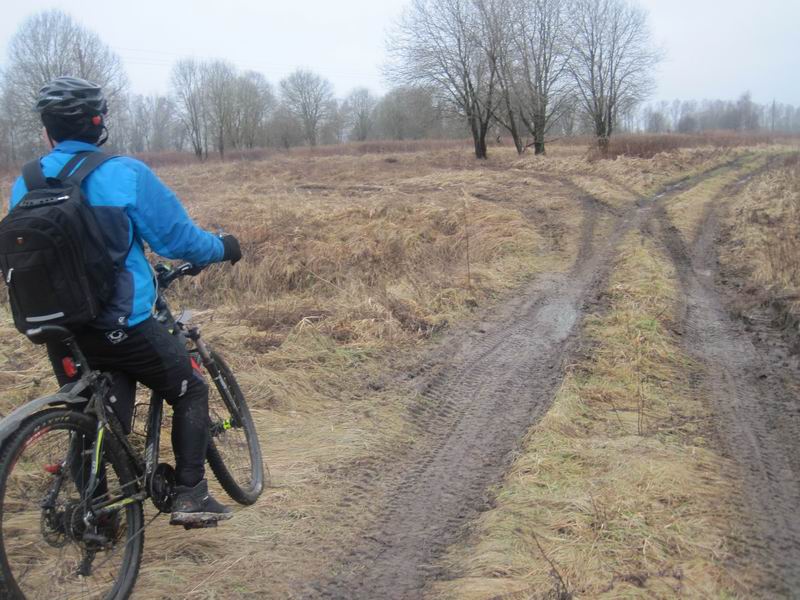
(687,210)
(762,238)
(617,492)
(350,262)
(648,146)
(164,159)
(620,181)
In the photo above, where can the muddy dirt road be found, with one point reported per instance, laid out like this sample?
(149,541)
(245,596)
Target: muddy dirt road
(482,390)
(752,381)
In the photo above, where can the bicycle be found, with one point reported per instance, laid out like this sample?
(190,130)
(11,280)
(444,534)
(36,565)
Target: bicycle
(73,486)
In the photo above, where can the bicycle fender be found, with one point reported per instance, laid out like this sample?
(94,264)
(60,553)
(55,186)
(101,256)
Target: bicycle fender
(65,396)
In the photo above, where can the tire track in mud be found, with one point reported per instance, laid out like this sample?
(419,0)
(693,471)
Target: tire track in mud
(480,393)
(752,387)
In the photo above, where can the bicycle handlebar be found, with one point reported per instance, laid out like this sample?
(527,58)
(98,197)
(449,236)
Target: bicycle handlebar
(166,274)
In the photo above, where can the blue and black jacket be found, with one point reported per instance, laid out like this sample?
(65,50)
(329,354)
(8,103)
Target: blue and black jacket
(133,207)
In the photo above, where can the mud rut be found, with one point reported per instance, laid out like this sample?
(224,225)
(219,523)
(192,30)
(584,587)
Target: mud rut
(481,393)
(752,381)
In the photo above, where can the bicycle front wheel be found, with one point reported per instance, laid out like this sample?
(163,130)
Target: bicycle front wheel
(47,549)
(234,453)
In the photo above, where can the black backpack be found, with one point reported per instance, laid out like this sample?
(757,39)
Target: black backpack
(53,255)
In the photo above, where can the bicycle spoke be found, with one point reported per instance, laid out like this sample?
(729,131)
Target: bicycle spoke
(43,539)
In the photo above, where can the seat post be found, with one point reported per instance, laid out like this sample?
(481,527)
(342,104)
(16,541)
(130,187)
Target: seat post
(77,354)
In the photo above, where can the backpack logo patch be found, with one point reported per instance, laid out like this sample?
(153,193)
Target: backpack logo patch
(116,336)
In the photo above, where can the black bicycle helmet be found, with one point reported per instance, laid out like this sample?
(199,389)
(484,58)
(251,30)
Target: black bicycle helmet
(71,97)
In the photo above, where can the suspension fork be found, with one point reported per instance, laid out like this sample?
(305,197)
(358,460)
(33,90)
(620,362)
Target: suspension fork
(193,333)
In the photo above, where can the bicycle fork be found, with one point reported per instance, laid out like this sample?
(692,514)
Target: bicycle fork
(211,366)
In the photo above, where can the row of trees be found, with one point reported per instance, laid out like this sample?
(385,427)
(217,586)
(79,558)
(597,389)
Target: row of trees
(528,64)
(214,108)
(211,107)
(527,69)
(690,116)
(219,107)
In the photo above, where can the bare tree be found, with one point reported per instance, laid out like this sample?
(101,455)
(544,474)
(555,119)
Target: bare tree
(188,90)
(284,130)
(148,124)
(307,96)
(48,45)
(408,113)
(254,103)
(543,51)
(655,121)
(497,41)
(334,128)
(164,126)
(445,44)
(138,124)
(360,110)
(612,61)
(219,78)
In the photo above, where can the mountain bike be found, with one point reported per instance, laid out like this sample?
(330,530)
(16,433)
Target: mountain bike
(73,483)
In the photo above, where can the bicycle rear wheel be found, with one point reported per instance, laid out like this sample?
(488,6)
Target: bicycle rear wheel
(46,549)
(234,452)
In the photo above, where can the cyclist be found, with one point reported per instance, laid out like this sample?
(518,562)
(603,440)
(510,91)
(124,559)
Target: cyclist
(134,207)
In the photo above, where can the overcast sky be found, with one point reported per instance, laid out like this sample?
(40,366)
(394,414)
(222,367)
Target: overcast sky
(713,48)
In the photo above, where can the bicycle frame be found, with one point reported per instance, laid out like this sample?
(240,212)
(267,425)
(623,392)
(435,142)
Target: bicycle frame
(146,467)
(97,449)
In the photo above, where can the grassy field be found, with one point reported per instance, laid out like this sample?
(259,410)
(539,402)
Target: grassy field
(761,240)
(353,262)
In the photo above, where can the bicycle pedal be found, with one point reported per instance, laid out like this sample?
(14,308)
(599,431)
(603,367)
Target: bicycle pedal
(200,525)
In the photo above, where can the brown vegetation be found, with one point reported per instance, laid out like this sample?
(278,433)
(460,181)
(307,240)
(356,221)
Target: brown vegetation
(762,242)
(350,263)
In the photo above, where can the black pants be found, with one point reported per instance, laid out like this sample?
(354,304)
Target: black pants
(149,354)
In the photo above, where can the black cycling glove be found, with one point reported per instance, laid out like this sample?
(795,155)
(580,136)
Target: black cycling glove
(233,251)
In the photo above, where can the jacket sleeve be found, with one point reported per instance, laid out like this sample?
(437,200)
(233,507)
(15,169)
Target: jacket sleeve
(164,224)
(18,190)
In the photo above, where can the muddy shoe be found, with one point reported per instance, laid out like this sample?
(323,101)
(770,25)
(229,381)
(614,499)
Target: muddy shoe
(194,505)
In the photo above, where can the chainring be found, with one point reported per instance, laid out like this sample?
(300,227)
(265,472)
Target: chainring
(162,487)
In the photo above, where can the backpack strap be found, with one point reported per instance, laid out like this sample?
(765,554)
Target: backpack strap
(81,165)
(33,175)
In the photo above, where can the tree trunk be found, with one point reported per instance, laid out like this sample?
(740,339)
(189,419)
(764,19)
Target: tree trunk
(478,138)
(480,150)
(539,126)
(519,143)
(602,145)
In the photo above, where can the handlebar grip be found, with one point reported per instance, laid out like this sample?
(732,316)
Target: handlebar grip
(167,275)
